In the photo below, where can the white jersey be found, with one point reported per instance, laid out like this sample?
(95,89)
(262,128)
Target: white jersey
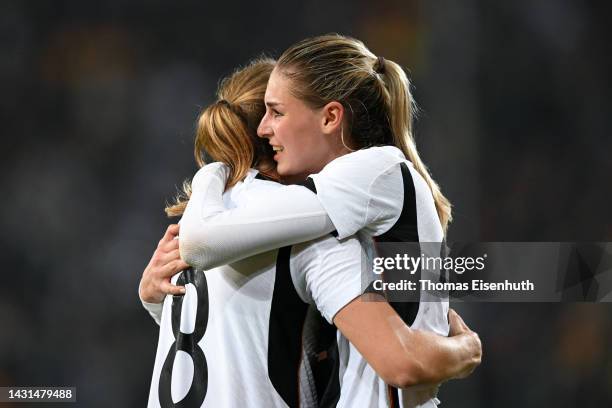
(373,192)
(386,200)
(235,339)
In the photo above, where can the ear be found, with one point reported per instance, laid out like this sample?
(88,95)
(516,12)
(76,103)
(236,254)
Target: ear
(332,116)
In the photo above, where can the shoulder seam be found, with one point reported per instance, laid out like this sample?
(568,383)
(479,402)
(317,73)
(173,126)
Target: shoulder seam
(371,197)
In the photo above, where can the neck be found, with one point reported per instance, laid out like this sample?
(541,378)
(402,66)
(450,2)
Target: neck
(337,151)
(342,144)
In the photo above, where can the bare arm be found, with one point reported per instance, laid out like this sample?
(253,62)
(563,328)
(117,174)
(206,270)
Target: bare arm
(405,357)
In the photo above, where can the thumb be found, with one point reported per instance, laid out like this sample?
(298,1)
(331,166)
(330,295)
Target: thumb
(456,323)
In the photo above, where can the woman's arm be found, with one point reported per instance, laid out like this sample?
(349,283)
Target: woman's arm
(212,235)
(333,274)
(404,357)
(358,191)
(155,281)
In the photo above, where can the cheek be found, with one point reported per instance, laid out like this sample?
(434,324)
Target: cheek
(301,146)
(300,159)
(294,150)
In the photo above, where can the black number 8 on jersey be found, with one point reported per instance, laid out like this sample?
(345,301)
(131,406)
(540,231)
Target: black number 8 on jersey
(188,343)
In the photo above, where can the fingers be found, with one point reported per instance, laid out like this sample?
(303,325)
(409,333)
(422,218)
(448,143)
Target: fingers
(167,246)
(171,289)
(471,342)
(171,232)
(172,268)
(170,256)
(475,348)
(166,264)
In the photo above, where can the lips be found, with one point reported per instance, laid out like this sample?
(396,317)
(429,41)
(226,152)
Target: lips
(277,150)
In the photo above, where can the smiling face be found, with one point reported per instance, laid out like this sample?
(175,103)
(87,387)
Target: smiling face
(301,136)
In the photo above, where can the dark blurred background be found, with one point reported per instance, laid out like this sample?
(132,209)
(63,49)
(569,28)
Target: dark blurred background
(99,101)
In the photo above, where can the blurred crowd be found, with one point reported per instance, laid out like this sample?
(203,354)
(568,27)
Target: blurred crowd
(99,101)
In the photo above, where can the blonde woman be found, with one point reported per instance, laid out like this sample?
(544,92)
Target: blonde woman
(235,338)
(340,118)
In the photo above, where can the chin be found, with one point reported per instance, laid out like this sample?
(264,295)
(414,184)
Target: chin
(281,169)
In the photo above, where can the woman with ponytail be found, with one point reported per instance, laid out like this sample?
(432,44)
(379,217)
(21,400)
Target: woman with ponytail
(339,119)
(242,333)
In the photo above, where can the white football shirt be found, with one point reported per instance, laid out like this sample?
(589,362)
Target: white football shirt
(236,338)
(374,192)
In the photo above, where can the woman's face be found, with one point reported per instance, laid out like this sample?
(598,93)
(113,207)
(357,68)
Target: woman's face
(296,132)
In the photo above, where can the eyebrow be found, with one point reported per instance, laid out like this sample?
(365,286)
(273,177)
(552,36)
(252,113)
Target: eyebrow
(272,104)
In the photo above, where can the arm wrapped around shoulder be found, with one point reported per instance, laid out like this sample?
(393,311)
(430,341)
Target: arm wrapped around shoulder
(213,235)
(404,357)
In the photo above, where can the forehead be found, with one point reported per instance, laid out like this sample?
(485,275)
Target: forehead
(278,86)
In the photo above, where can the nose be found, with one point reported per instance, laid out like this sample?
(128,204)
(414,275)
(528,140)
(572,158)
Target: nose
(264,130)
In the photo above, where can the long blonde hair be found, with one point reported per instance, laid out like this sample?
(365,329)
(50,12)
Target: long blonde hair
(227,129)
(375,94)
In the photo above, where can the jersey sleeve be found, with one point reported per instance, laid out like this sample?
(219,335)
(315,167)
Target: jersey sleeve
(212,235)
(328,273)
(362,191)
(154,309)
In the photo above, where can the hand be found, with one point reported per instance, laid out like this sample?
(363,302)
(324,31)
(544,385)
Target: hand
(164,264)
(472,341)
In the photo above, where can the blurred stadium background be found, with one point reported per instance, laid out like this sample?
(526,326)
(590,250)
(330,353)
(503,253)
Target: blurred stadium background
(98,105)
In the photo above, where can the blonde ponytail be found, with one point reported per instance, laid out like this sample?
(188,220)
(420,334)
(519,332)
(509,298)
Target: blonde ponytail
(402,109)
(227,129)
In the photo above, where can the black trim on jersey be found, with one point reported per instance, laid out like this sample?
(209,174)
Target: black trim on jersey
(287,315)
(405,229)
(393,396)
(310,184)
(262,177)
